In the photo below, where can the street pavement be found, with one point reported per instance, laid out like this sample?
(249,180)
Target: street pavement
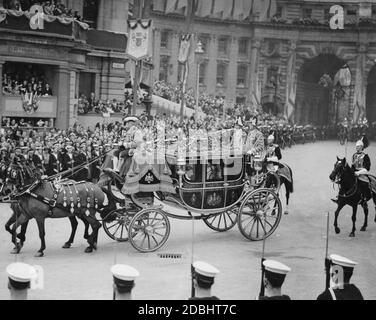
(299,242)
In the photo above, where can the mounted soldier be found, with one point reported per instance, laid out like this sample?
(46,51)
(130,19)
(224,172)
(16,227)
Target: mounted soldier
(272,149)
(361,164)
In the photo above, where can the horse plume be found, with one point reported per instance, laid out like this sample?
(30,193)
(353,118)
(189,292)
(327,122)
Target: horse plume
(365,141)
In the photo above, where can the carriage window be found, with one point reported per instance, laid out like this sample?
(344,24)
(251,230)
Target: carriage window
(214,172)
(193,173)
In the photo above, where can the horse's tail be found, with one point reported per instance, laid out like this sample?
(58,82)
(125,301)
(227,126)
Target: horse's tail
(292,180)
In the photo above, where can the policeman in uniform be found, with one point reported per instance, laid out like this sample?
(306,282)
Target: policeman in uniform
(274,276)
(19,276)
(341,271)
(133,138)
(203,279)
(124,277)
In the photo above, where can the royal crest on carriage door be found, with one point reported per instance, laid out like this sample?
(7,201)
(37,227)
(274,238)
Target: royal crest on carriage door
(139,43)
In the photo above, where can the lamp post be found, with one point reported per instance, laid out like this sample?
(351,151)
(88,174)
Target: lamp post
(198,54)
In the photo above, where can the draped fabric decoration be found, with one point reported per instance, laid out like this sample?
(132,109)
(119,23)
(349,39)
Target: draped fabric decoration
(48,18)
(359,89)
(290,86)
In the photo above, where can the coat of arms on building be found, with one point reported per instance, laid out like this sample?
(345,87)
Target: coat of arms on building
(30,102)
(139,43)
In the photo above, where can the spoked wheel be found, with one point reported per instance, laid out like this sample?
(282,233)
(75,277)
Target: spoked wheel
(272,181)
(116,225)
(143,199)
(150,229)
(259,214)
(223,221)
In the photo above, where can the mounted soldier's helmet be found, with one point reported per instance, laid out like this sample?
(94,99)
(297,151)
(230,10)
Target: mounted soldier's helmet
(363,143)
(271,138)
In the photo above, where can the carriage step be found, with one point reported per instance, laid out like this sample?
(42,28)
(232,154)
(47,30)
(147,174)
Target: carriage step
(170,255)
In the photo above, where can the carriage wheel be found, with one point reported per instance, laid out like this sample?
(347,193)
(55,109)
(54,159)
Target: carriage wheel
(259,214)
(272,181)
(143,199)
(116,225)
(223,221)
(150,229)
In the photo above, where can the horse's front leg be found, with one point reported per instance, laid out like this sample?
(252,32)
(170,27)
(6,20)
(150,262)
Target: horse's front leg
(23,222)
(353,218)
(365,224)
(42,234)
(339,208)
(74,225)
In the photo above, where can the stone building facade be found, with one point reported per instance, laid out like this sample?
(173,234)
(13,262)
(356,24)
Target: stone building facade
(273,61)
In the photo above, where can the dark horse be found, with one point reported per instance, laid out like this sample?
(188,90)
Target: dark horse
(349,193)
(41,199)
(17,210)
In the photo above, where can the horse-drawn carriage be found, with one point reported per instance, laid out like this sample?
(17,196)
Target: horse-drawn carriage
(222,191)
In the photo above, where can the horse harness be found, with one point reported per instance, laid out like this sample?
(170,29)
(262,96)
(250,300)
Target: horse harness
(52,203)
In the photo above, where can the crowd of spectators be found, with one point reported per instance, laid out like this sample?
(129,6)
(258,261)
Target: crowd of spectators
(15,84)
(95,105)
(52,7)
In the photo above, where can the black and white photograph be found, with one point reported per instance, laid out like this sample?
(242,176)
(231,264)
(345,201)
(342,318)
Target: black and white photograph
(187,151)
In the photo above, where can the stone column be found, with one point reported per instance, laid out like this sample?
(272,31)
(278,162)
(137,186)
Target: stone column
(253,72)
(113,15)
(212,65)
(173,74)
(63,98)
(157,53)
(232,72)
